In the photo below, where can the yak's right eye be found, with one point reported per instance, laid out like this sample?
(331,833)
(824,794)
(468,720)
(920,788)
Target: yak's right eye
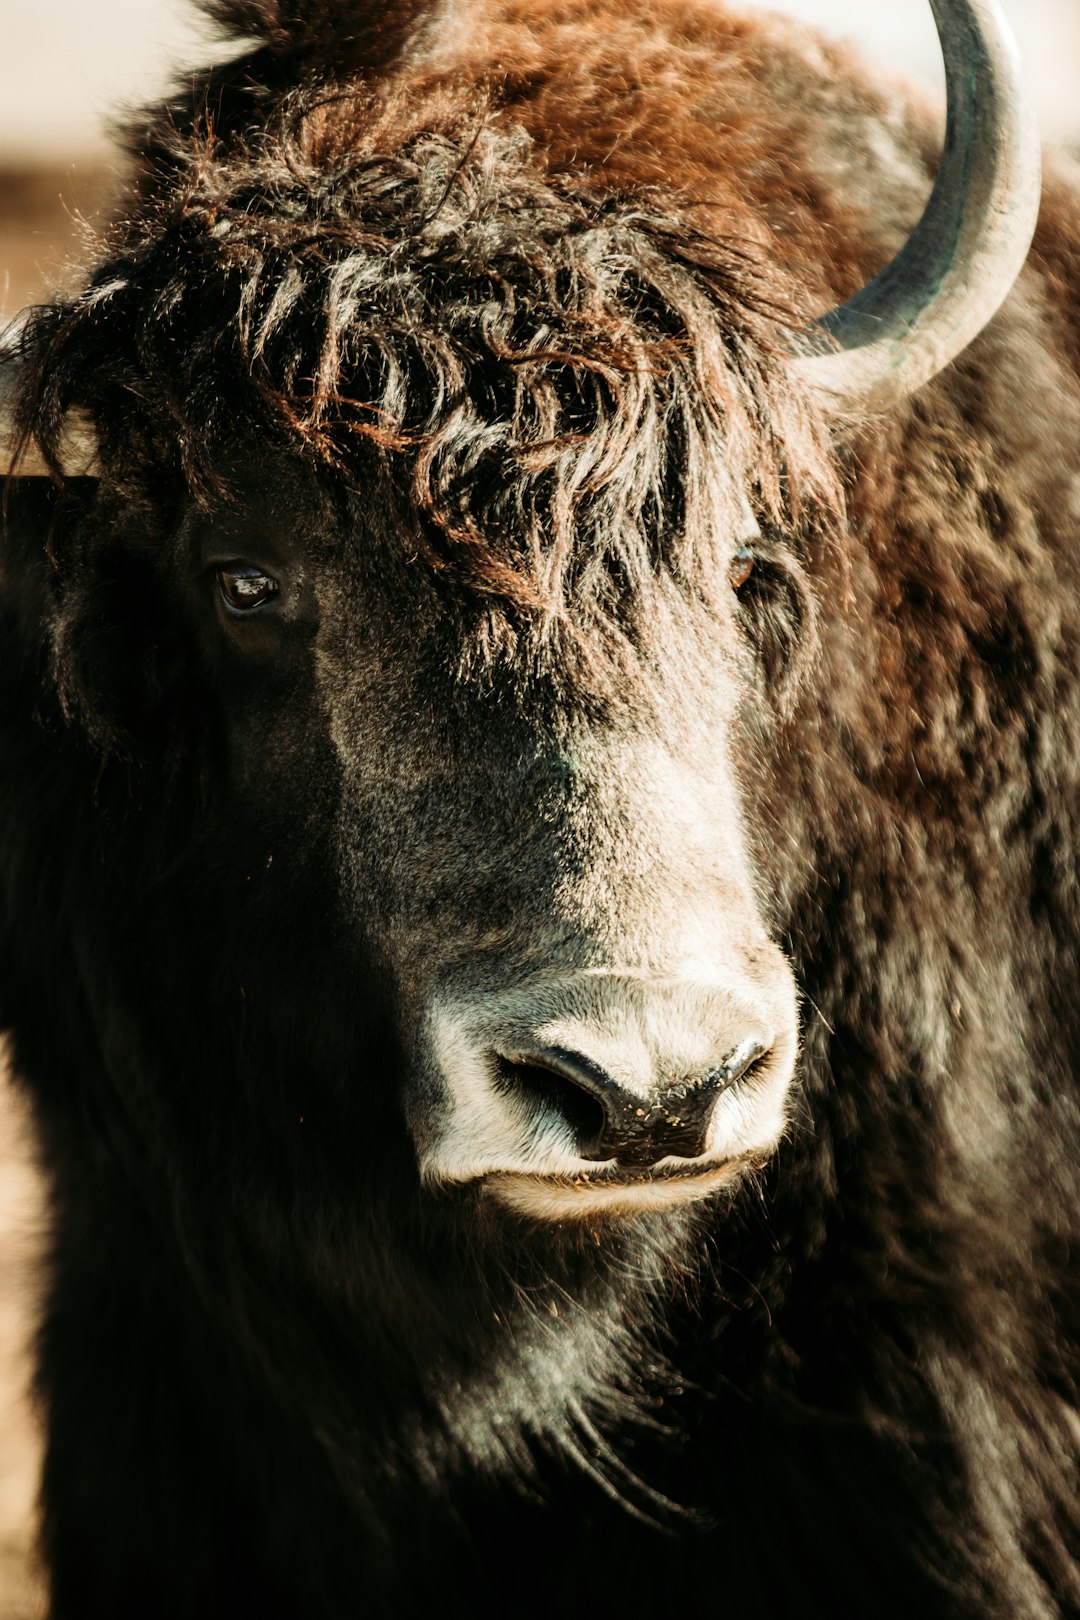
(245,589)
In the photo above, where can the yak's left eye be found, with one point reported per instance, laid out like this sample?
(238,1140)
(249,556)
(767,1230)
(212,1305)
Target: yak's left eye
(245,589)
(740,567)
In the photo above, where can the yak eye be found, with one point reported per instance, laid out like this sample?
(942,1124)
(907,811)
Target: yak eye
(244,589)
(740,567)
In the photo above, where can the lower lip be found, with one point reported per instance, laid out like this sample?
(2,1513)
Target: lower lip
(583,1197)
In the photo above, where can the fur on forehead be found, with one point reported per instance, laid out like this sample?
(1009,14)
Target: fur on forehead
(560,391)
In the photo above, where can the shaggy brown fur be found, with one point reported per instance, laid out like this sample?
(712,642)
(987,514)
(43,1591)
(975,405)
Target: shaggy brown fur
(511,288)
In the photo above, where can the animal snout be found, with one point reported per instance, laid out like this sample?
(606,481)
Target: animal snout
(602,1079)
(609,1121)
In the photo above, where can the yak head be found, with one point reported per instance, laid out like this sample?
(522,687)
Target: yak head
(450,535)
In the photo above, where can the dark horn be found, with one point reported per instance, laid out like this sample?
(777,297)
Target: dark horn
(955,270)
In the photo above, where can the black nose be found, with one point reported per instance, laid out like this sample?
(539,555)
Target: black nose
(609,1121)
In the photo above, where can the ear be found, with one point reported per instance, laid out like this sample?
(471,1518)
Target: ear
(122,668)
(328,37)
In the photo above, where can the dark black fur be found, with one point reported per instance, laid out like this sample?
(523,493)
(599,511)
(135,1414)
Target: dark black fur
(281,1378)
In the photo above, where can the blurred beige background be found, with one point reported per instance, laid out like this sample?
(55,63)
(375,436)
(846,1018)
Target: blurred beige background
(66,67)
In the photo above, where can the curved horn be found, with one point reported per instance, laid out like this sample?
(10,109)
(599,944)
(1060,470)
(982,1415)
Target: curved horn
(969,246)
(79,456)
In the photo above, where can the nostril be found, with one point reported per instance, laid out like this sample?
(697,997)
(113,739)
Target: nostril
(548,1094)
(737,1066)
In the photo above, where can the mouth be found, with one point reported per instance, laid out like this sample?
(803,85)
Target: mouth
(586,1195)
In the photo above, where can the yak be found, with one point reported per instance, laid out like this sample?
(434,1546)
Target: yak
(540,721)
